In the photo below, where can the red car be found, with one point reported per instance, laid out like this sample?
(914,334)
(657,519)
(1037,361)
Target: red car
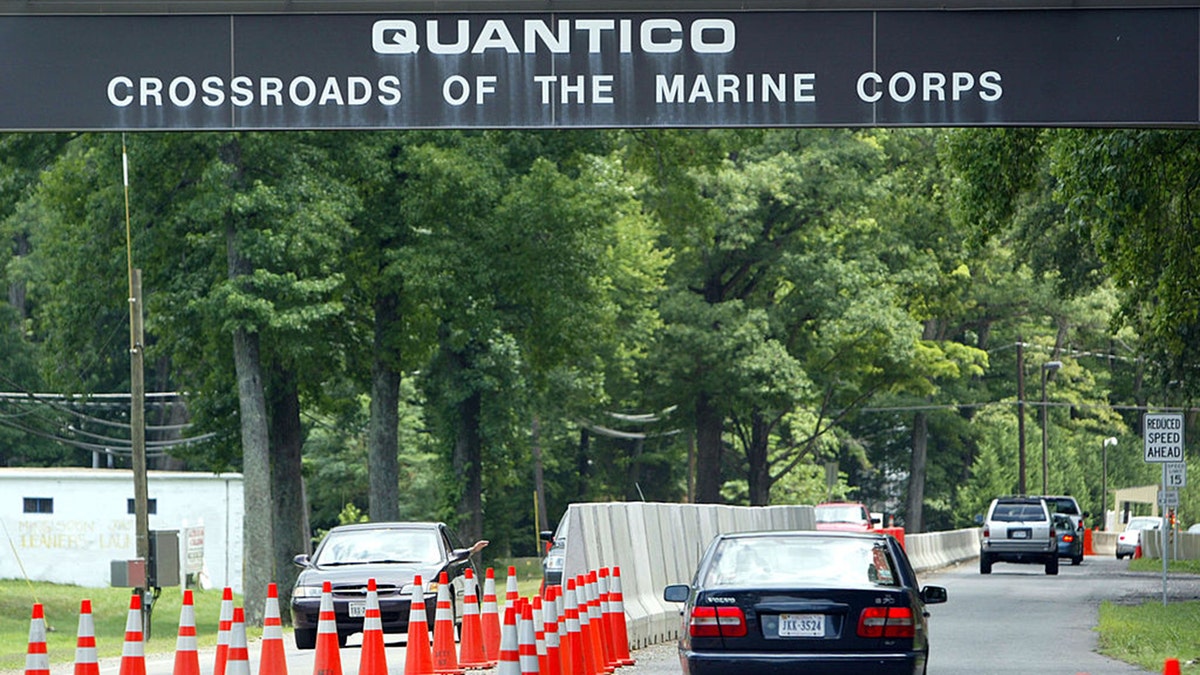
(844,517)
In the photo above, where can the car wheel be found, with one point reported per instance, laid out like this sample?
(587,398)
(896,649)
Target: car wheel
(985,564)
(1119,556)
(1052,565)
(305,638)
(1075,560)
(342,640)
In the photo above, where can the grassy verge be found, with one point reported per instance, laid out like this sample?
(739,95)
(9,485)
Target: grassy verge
(1155,565)
(110,609)
(1148,634)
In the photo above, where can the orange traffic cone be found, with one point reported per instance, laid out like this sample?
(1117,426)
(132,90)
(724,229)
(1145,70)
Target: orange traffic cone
(1171,667)
(445,658)
(133,654)
(418,658)
(490,617)
(471,654)
(606,618)
(527,641)
(37,662)
(510,655)
(239,657)
(510,586)
(86,662)
(224,622)
(573,660)
(271,656)
(187,658)
(539,633)
(616,602)
(328,660)
(550,630)
(373,657)
(604,660)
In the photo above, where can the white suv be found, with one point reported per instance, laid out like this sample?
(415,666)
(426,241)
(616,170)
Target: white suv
(1018,530)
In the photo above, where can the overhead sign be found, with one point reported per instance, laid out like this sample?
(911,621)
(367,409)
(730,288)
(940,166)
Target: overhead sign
(1176,474)
(1162,436)
(1128,67)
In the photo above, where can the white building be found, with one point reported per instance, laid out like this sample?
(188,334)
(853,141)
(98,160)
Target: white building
(66,525)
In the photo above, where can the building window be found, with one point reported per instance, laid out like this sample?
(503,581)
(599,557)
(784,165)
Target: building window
(39,505)
(151,507)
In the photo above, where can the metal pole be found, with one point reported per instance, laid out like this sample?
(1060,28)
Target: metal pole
(1048,366)
(1021,416)
(1163,532)
(1111,440)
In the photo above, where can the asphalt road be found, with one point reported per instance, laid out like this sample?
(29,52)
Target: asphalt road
(1015,621)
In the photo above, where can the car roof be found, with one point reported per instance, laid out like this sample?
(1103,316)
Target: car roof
(807,534)
(423,525)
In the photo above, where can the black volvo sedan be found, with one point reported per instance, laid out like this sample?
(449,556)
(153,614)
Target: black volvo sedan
(804,602)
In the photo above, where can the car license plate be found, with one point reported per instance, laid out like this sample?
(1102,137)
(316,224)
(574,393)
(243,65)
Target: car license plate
(1018,534)
(802,625)
(358,610)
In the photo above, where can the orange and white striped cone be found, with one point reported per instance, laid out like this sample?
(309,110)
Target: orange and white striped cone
(239,654)
(591,660)
(510,586)
(550,631)
(133,653)
(510,654)
(604,661)
(328,659)
(539,633)
(418,657)
(373,656)
(37,661)
(606,618)
(471,654)
(616,602)
(86,661)
(445,657)
(527,641)
(574,662)
(490,617)
(272,659)
(224,622)
(187,656)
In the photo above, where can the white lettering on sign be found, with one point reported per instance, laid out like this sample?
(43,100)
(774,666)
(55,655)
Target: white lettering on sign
(929,87)
(242,91)
(1162,435)
(463,36)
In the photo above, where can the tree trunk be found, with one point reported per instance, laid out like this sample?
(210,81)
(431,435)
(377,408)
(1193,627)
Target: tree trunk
(468,467)
(709,425)
(287,482)
(758,468)
(539,478)
(914,522)
(257,531)
(383,449)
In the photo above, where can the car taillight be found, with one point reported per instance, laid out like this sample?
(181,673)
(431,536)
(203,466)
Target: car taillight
(1053,534)
(886,622)
(1068,538)
(987,532)
(717,622)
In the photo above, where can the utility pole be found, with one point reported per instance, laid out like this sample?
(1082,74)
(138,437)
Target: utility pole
(1021,417)
(137,407)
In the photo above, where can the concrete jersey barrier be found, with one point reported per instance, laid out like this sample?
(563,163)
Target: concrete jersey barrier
(656,544)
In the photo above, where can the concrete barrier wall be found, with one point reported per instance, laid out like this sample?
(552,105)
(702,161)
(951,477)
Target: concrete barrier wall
(656,544)
(1184,546)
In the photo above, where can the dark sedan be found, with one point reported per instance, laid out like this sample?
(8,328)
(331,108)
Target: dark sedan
(804,602)
(391,553)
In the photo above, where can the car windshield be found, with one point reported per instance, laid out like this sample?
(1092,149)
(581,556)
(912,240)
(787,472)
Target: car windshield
(801,561)
(1013,513)
(1063,505)
(1062,522)
(1143,524)
(840,514)
(357,547)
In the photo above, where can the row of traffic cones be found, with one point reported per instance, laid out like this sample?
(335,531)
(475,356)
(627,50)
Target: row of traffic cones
(579,631)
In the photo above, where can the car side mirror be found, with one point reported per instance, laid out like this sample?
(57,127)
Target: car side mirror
(677,593)
(546,535)
(933,595)
(302,561)
(978,518)
(459,554)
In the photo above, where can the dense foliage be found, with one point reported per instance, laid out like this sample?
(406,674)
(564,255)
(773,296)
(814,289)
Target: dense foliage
(485,327)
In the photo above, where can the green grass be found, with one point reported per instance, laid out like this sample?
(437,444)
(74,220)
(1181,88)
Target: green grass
(110,609)
(1155,565)
(1148,634)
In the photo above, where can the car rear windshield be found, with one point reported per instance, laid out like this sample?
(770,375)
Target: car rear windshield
(1066,506)
(801,561)
(379,546)
(840,514)
(1013,513)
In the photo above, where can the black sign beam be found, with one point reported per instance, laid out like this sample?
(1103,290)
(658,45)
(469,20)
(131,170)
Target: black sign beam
(1047,67)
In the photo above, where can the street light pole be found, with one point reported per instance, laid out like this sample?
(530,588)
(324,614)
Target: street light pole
(1046,368)
(1104,482)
